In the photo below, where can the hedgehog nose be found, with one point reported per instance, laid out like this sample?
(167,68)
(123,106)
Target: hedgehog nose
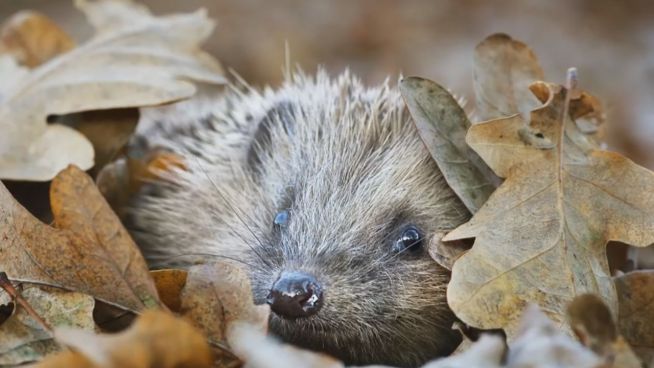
(295,295)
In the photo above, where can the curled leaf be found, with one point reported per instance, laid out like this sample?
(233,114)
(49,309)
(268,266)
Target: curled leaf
(442,125)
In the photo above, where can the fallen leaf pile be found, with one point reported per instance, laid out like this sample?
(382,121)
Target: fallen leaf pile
(78,293)
(133,60)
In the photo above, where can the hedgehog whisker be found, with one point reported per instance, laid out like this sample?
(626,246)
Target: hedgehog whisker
(236,213)
(180,255)
(256,266)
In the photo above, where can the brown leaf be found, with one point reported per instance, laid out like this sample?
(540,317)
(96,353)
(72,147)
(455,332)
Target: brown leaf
(586,112)
(88,250)
(503,70)
(121,179)
(32,38)
(541,237)
(114,181)
(24,339)
(636,297)
(593,324)
(107,130)
(157,339)
(170,283)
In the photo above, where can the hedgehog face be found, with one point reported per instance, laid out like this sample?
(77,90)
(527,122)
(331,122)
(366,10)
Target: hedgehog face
(356,198)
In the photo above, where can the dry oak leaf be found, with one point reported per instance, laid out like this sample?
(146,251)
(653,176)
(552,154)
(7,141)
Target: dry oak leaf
(156,339)
(23,339)
(541,236)
(88,250)
(32,38)
(503,70)
(126,64)
(636,317)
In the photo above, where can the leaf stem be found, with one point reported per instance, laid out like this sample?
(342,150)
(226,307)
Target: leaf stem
(571,82)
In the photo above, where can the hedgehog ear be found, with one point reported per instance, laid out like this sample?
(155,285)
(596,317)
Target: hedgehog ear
(281,114)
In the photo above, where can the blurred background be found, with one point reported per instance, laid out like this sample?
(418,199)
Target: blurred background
(610,42)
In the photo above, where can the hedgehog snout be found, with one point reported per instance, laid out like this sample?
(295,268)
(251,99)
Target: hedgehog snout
(295,295)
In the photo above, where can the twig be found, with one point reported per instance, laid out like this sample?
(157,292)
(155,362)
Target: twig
(15,294)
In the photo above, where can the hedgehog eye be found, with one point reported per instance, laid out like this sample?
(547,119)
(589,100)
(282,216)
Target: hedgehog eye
(410,240)
(281,218)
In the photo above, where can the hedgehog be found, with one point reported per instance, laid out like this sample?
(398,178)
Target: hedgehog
(324,191)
